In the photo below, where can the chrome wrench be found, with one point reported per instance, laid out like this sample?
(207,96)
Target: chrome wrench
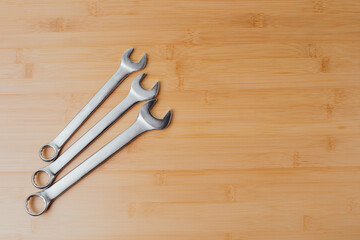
(136,94)
(126,67)
(144,122)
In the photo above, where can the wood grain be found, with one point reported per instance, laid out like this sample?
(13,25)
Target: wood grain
(265,135)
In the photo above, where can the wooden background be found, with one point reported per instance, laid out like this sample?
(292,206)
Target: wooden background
(264,142)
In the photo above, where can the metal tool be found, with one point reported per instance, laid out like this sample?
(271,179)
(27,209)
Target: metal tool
(136,94)
(126,67)
(144,122)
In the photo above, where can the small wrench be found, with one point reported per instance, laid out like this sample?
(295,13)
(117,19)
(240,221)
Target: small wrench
(126,67)
(136,94)
(144,122)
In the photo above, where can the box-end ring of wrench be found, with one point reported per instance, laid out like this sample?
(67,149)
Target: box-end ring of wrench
(126,67)
(136,94)
(144,122)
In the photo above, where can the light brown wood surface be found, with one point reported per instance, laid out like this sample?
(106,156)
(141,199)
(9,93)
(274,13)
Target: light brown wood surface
(264,142)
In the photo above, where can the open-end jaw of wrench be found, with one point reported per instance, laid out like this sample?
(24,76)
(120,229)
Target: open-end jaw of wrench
(144,122)
(126,67)
(136,94)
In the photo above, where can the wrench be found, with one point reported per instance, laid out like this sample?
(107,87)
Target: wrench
(144,122)
(136,94)
(126,67)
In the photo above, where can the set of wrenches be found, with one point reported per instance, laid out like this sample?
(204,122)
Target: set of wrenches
(144,122)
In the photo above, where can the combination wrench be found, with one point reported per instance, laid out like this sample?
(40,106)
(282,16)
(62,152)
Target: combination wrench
(136,94)
(126,67)
(144,122)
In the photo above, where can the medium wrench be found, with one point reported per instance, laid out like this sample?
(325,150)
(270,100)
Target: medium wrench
(126,67)
(136,94)
(144,122)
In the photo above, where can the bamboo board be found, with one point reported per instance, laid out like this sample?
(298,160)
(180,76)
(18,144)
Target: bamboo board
(264,142)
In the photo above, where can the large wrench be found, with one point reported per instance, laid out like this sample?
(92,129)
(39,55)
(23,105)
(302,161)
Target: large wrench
(126,67)
(144,122)
(136,94)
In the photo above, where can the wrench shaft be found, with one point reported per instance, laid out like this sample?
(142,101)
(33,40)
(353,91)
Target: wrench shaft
(136,94)
(144,122)
(90,107)
(92,134)
(95,160)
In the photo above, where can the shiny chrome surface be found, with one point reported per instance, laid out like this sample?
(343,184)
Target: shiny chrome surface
(126,67)
(144,122)
(136,94)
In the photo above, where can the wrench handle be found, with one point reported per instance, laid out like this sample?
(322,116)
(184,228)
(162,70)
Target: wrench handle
(93,133)
(144,122)
(55,167)
(95,160)
(84,113)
